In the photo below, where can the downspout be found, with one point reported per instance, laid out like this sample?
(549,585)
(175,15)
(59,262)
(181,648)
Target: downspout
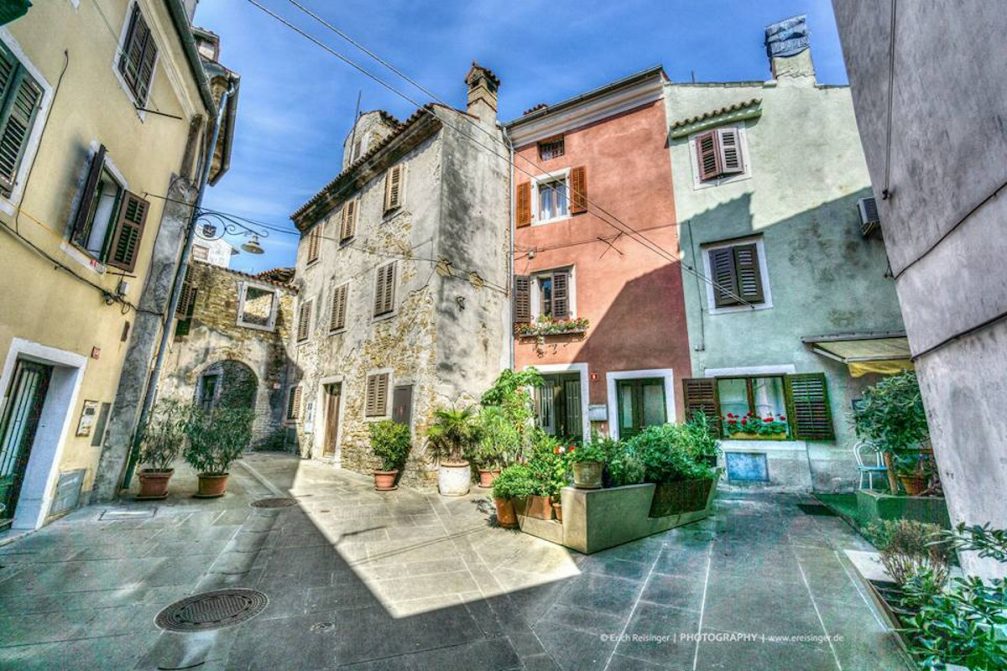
(510,246)
(176,290)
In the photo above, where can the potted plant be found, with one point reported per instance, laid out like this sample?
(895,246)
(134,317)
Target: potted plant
(390,442)
(451,434)
(914,471)
(622,464)
(682,483)
(549,468)
(498,444)
(514,483)
(588,463)
(161,441)
(217,437)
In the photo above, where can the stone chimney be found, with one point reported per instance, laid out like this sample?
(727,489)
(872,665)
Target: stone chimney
(789,52)
(482,99)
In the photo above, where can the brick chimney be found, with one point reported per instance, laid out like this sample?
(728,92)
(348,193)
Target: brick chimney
(789,52)
(482,99)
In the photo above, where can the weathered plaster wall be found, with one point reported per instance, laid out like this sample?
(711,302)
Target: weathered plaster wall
(807,172)
(215,336)
(943,228)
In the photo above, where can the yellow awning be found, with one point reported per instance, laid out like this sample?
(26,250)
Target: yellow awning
(885,353)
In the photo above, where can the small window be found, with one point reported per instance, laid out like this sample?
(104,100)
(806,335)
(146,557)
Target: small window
(209,391)
(186,307)
(384,290)
(314,243)
(20,100)
(337,308)
(552,199)
(294,403)
(139,53)
(552,295)
(200,252)
(394,183)
(304,321)
(257,306)
(718,154)
(550,149)
(376,395)
(348,220)
(737,275)
(753,407)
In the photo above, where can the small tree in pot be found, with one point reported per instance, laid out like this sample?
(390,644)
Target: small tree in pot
(161,441)
(390,442)
(216,438)
(499,444)
(451,434)
(515,483)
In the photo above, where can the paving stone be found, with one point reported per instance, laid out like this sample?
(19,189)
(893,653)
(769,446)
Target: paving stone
(603,593)
(679,592)
(572,649)
(652,635)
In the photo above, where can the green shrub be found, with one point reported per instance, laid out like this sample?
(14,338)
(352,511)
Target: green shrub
(622,465)
(217,437)
(589,451)
(667,455)
(514,482)
(548,464)
(499,440)
(908,548)
(390,442)
(511,394)
(164,435)
(453,432)
(891,414)
(698,436)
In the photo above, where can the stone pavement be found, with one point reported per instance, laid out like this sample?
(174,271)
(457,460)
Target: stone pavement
(407,580)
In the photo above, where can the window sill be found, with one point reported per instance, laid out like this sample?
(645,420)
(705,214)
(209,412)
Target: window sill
(384,317)
(338,331)
(739,308)
(720,181)
(311,264)
(537,333)
(302,342)
(83,258)
(257,327)
(554,220)
(376,418)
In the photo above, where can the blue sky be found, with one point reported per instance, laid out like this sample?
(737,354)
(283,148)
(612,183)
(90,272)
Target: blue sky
(297,101)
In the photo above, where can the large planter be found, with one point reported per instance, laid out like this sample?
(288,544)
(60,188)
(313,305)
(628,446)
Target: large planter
(211,485)
(587,474)
(675,498)
(384,481)
(506,515)
(539,507)
(487,476)
(154,484)
(913,484)
(454,478)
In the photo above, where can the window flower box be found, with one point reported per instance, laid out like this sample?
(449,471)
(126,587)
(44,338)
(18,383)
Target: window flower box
(753,427)
(546,326)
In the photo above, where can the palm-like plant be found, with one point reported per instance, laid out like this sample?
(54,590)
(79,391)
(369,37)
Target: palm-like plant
(452,433)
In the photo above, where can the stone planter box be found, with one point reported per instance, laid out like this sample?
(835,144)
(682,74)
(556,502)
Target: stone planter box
(596,519)
(879,506)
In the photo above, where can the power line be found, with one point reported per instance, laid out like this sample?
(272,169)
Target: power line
(627,229)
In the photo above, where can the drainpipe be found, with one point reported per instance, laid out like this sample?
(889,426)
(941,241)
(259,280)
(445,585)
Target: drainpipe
(176,291)
(510,246)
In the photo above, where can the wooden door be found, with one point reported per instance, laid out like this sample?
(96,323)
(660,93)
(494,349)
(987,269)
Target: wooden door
(332,392)
(18,424)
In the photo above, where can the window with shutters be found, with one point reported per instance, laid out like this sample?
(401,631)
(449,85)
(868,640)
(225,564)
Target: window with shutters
(348,220)
(552,148)
(109,220)
(337,307)
(551,295)
(552,197)
(304,321)
(719,154)
(186,307)
(376,395)
(314,243)
(138,57)
(395,186)
(258,306)
(384,290)
(294,403)
(739,279)
(21,98)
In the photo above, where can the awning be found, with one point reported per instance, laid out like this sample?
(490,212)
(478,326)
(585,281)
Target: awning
(885,352)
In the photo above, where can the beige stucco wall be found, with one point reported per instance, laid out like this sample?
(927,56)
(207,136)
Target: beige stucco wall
(42,304)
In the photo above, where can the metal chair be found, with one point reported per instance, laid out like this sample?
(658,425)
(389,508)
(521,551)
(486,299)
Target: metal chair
(865,465)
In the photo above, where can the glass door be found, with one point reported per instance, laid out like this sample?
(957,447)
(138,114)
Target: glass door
(641,404)
(17,431)
(559,406)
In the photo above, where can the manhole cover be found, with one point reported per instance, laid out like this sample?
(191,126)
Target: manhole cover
(274,503)
(212,610)
(816,509)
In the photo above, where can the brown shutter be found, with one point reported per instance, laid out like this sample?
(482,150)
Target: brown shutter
(522,299)
(146,74)
(389,303)
(730,151)
(128,232)
(808,409)
(187,301)
(724,277)
(746,266)
(393,187)
(578,190)
(17,125)
(80,221)
(384,290)
(370,396)
(707,155)
(304,321)
(348,225)
(561,294)
(294,403)
(382,406)
(132,52)
(337,314)
(700,395)
(523,205)
(314,243)
(376,395)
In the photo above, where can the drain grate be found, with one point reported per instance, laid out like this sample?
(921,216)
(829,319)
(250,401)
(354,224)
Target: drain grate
(274,503)
(816,509)
(212,610)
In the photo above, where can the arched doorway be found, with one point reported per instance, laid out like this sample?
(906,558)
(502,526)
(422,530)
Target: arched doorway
(226,384)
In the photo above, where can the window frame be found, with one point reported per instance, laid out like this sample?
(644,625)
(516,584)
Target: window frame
(552,142)
(711,298)
(746,168)
(120,51)
(749,378)
(536,184)
(535,292)
(101,257)
(243,287)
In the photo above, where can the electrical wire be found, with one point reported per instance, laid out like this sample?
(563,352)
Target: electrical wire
(620,226)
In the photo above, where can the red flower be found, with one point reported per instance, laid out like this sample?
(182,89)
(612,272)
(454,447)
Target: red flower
(730,414)
(744,420)
(782,418)
(768,419)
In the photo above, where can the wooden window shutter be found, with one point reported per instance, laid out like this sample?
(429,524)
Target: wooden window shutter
(730,151)
(700,395)
(304,321)
(808,409)
(376,395)
(187,301)
(294,403)
(708,155)
(523,205)
(138,56)
(80,221)
(337,315)
(128,232)
(314,243)
(384,290)
(394,179)
(522,299)
(725,278)
(561,294)
(749,277)
(578,190)
(22,99)
(348,225)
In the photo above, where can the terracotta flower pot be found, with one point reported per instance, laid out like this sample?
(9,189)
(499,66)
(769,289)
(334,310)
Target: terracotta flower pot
(539,507)
(454,478)
(487,476)
(587,474)
(211,485)
(154,484)
(557,509)
(506,515)
(913,484)
(384,481)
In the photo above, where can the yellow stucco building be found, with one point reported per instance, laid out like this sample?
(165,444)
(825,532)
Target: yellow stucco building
(105,108)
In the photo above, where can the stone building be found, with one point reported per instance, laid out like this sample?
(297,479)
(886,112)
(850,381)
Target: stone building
(402,277)
(230,347)
(769,179)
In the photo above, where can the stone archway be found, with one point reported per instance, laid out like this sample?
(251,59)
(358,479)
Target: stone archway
(227,384)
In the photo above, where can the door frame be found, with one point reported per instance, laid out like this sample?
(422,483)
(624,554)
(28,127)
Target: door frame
(581,368)
(667,374)
(318,437)
(54,426)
